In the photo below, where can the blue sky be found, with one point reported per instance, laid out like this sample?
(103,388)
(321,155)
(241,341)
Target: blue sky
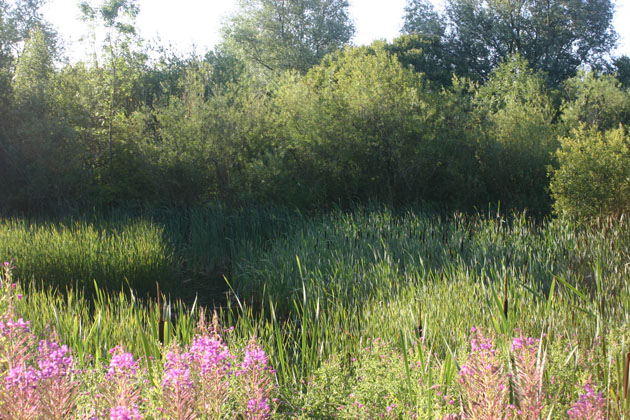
(184,23)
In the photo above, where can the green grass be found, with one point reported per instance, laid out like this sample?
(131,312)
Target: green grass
(132,253)
(316,289)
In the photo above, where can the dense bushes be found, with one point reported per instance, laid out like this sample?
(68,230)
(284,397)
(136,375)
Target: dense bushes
(359,126)
(593,177)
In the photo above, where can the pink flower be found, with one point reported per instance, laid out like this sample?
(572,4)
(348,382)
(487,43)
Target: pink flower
(124,413)
(121,363)
(528,380)
(590,405)
(483,381)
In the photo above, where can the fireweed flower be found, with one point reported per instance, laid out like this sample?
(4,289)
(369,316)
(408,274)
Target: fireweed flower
(255,376)
(58,386)
(258,408)
(122,364)
(483,381)
(211,363)
(209,354)
(54,360)
(528,378)
(590,405)
(124,413)
(178,393)
(254,356)
(20,399)
(121,391)
(16,342)
(21,378)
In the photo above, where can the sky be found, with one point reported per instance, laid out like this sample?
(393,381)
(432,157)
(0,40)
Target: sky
(188,23)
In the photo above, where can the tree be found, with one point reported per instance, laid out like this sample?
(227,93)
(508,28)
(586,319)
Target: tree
(34,69)
(596,101)
(360,126)
(118,19)
(426,54)
(515,135)
(41,142)
(422,19)
(554,36)
(622,70)
(288,34)
(18,20)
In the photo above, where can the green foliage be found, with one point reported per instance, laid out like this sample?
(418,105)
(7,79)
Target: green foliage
(18,18)
(114,14)
(622,70)
(422,19)
(131,254)
(514,116)
(42,144)
(394,123)
(34,68)
(373,383)
(280,35)
(361,126)
(202,137)
(596,101)
(425,54)
(555,37)
(593,175)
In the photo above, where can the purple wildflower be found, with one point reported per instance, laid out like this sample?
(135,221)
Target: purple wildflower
(528,378)
(483,381)
(121,363)
(124,413)
(590,405)
(178,393)
(58,386)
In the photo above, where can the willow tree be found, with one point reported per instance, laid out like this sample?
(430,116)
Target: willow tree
(288,34)
(554,36)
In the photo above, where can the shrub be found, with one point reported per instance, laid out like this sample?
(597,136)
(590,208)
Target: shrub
(593,177)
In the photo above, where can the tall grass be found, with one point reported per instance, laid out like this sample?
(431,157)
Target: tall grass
(128,254)
(341,278)
(318,288)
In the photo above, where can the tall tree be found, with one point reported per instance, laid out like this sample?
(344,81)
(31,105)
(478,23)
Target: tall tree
(41,142)
(421,18)
(117,17)
(288,34)
(18,19)
(555,36)
(621,67)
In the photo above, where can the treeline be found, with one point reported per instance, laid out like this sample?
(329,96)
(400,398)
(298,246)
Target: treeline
(310,121)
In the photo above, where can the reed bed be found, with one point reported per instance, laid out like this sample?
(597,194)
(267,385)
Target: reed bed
(317,290)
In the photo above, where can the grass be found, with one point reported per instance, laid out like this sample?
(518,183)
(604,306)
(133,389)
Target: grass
(316,290)
(127,254)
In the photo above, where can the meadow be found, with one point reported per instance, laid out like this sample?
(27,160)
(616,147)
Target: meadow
(369,313)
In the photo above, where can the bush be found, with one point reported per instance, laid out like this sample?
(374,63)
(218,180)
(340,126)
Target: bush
(593,177)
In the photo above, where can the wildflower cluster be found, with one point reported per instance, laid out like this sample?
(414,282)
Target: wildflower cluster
(484,382)
(39,378)
(199,381)
(204,380)
(528,377)
(590,405)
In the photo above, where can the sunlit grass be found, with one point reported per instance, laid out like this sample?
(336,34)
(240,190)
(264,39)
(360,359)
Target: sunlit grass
(316,289)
